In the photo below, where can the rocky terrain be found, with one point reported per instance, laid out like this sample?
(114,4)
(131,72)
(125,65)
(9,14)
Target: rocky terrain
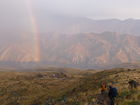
(64,41)
(85,50)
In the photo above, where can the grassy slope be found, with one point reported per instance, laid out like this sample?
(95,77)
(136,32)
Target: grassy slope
(35,88)
(76,88)
(118,77)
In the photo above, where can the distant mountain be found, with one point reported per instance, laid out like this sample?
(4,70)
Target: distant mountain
(73,25)
(87,50)
(45,22)
(70,25)
(64,41)
(91,50)
(17,47)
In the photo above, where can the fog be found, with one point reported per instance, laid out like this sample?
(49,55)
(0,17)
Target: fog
(97,9)
(14,14)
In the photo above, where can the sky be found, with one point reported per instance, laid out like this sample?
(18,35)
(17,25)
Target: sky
(96,9)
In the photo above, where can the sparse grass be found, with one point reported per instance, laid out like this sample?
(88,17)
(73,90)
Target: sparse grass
(29,88)
(67,88)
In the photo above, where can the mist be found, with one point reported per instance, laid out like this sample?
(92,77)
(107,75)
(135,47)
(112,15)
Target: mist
(14,14)
(96,9)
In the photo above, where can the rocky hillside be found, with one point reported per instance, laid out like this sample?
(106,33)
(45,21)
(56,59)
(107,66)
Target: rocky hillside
(85,50)
(17,47)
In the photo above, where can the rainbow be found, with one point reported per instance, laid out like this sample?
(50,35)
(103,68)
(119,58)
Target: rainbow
(35,31)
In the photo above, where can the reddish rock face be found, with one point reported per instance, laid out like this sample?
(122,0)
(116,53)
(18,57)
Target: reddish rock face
(82,50)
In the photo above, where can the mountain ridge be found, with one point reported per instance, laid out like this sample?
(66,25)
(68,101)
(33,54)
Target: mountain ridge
(74,25)
(85,50)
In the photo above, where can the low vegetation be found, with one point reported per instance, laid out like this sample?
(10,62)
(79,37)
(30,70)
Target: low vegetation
(65,87)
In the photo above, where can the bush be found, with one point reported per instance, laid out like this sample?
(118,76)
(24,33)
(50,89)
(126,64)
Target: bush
(134,103)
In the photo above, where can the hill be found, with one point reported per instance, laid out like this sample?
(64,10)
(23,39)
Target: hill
(57,88)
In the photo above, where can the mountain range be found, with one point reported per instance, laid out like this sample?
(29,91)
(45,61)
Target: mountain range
(79,50)
(73,42)
(74,25)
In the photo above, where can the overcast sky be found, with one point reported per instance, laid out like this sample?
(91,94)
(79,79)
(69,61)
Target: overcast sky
(96,9)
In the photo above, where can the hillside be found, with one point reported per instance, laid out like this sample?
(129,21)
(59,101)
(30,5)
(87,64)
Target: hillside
(57,88)
(85,50)
(91,50)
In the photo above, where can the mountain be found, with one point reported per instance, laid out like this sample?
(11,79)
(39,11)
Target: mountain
(46,22)
(90,50)
(17,47)
(74,25)
(85,50)
(64,41)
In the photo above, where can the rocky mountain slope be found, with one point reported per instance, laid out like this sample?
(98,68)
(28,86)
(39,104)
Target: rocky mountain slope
(85,50)
(88,50)
(17,47)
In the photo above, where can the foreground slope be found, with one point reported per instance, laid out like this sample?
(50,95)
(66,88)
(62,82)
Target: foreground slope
(65,88)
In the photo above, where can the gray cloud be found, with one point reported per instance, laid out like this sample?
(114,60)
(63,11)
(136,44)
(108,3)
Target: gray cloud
(92,8)
(14,13)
